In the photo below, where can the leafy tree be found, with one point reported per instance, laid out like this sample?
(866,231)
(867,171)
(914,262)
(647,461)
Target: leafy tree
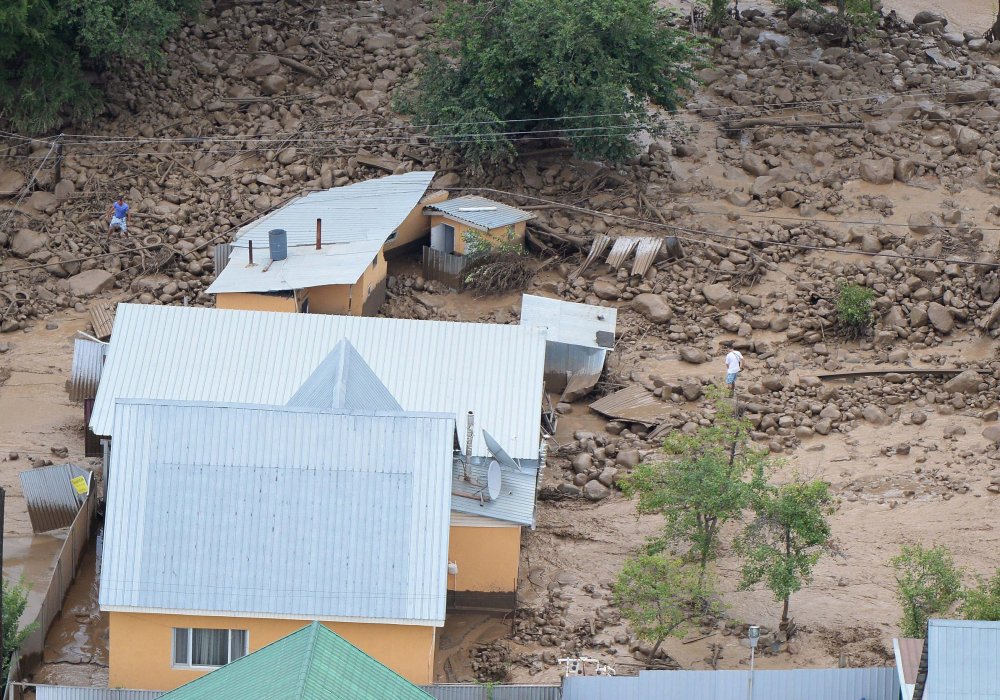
(855,309)
(701,485)
(47,45)
(661,597)
(579,68)
(789,535)
(983,601)
(15,599)
(927,583)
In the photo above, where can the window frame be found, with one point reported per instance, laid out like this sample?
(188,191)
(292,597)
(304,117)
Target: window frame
(190,646)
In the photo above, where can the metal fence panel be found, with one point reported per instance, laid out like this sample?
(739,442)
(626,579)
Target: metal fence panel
(52,500)
(221,256)
(475,691)
(444,267)
(601,688)
(88,361)
(456,691)
(62,692)
(527,692)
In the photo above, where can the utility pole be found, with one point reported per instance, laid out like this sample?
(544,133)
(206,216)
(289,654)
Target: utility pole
(753,634)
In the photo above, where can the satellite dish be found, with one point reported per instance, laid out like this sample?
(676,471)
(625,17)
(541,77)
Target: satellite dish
(493,481)
(498,452)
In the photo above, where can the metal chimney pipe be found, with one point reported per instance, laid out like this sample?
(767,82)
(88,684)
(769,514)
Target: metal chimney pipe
(251,252)
(470,422)
(319,234)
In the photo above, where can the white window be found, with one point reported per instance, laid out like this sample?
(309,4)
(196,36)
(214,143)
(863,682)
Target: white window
(195,647)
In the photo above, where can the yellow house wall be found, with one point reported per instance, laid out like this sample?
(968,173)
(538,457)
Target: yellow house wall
(496,235)
(254,302)
(141,646)
(348,298)
(487,558)
(416,225)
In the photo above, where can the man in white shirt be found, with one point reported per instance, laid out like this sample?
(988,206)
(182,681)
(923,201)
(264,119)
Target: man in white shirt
(734,365)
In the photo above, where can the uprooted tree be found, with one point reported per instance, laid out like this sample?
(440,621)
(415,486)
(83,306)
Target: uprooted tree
(50,50)
(496,266)
(523,70)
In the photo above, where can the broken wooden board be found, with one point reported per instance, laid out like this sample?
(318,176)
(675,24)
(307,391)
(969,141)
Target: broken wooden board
(634,404)
(102,318)
(375,162)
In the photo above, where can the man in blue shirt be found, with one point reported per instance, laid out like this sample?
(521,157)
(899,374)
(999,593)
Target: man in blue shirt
(119,216)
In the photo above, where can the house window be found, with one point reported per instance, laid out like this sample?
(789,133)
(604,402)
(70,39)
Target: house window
(194,648)
(392,236)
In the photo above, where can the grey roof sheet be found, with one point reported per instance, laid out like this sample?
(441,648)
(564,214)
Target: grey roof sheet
(261,511)
(356,221)
(344,380)
(263,357)
(569,322)
(963,660)
(479,212)
(516,503)
(88,363)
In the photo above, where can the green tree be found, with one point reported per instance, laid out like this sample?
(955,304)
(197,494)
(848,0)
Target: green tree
(546,68)
(703,483)
(788,536)
(15,599)
(661,597)
(47,45)
(983,601)
(927,583)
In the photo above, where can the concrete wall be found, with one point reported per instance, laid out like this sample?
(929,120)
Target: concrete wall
(141,646)
(348,298)
(255,302)
(416,226)
(487,558)
(496,235)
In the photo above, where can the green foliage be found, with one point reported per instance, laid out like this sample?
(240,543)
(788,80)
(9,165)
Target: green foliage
(15,599)
(718,12)
(516,66)
(789,535)
(848,14)
(496,267)
(660,597)
(983,601)
(46,47)
(855,309)
(927,583)
(701,485)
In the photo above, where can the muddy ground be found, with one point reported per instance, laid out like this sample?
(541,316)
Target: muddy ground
(901,183)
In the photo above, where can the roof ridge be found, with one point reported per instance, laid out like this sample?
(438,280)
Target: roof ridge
(307,660)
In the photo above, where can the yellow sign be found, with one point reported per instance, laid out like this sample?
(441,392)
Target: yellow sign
(80,484)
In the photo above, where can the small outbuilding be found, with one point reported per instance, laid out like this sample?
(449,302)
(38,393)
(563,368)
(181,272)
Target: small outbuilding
(454,221)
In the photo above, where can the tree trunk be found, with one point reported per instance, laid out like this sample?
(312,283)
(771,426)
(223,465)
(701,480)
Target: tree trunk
(784,612)
(993,33)
(656,648)
(788,555)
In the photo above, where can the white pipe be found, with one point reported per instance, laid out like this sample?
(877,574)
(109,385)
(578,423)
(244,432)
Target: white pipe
(469,432)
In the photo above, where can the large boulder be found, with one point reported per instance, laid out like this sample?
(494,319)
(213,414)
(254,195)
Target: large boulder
(965,383)
(875,415)
(11,183)
(719,295)
(940,317)
(595,490)
(959,91)
(382,40)
(26,242)
(261,66)
(992,433)
(754,164)
(603,289)
(653,307)
(695,356)
(928,17)
(878,171)
(966,139)
(91,282)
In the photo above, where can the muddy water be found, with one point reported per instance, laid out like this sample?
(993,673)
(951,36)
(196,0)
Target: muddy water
(76,648)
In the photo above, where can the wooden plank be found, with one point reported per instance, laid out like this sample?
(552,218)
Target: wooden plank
(102,318)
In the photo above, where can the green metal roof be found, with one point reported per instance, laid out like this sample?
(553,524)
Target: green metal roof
(311,664)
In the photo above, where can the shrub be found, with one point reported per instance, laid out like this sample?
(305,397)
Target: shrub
(855,309)
(927,583)
(496,267)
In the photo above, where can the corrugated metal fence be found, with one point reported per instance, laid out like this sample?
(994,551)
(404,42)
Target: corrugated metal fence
(62,692)
(444,267)
(472,691)
(52,499)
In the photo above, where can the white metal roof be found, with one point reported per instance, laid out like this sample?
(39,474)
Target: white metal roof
(479,212)
(963,660)
(516,502)
(264,357)
(569,322)
(266,511)
(344,380)
(356,221)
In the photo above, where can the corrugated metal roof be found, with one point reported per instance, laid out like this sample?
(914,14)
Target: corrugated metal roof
(569,322)
(798,684)
(261,511)
(52,500)
(479,212)
(313,663)
(963,660)
(478,691)
(356,221)
(633,403)
(516,502)
(88,362)
(261,357)
(344,380)
(63,692)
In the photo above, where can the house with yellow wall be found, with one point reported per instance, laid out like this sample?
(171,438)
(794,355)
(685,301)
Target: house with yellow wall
(230,526)
(325,252)
(453,221)
(197,354)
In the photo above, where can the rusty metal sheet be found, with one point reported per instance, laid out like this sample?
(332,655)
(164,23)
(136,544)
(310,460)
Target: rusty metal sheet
(620,251)
(102,318)
(634,404)
(221,256)
(53,501)
(88,363)
(579,385)
(645,254)
(597,247)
